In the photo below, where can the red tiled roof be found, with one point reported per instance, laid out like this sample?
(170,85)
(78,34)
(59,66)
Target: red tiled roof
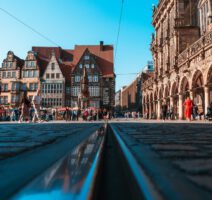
(42,64)
(104,57)
(66,71)
(71,58)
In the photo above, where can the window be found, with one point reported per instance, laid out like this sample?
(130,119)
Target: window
(33,86)
(4,87)
(8,74)
(30,74)
(13,74)
(32,64)
(77,78)
(94,91)
(35,73)
(76,90)
(53,66)
(6,64)
(25,74)
(4,75)
(11,64)
(26,63)
(90,78)
(24,86)
(68,90)
(5,99)
(80,66)
(95,78)
(92,66)
(52,76)
(15,86)
(57,75)
(87,66)
(47,76)
(2,64)
(87,57)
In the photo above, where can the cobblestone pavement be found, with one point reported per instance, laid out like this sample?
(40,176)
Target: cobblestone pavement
(26,150)
(185,148)
(19,138)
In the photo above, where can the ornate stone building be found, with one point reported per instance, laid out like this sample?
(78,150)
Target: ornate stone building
(182,54)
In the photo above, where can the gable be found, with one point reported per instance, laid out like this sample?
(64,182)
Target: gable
(53,67)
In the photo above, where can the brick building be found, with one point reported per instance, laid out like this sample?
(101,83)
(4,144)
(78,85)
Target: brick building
(58,73)
(182,54)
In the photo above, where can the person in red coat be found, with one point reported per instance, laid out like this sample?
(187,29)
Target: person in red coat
(188,108)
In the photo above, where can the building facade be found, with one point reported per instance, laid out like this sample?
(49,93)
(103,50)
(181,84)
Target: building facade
(182,54)
(131,95)
(58,72)
(53,84)
(98,62)
(10,78)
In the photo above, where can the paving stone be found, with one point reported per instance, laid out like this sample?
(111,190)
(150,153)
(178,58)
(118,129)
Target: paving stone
(173,147)
(202,180)
(195,165)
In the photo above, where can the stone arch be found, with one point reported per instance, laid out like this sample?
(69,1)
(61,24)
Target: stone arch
(184,86)
(198,90)
(197,80)
(209,77)
(174,89)
(166,93)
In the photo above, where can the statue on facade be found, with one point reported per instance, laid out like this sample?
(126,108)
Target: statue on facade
(83,98)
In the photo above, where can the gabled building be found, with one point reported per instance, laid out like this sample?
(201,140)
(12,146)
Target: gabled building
(10,79)
(98,61)
(53,84)
(31,72)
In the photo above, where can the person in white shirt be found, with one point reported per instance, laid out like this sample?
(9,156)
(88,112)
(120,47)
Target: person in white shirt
(36,100)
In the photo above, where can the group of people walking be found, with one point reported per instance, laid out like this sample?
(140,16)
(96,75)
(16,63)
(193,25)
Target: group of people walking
(190,110)
(27,106)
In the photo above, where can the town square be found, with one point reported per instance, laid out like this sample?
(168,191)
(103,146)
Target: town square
(106,100)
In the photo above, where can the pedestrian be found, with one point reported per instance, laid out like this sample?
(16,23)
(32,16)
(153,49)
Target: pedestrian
(194,111)
(209,112)
(36,101)
(171,112)
(67,112)
(25,105)
(164,109)
(188,108)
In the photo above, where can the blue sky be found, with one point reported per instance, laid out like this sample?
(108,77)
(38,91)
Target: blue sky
(70,22)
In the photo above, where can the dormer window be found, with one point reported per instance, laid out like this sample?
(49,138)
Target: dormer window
(2,65)
(6,64)
(11,64)
(53,66)
(87,57)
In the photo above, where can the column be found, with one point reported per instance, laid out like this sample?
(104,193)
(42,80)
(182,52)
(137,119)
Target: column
(191,95)
(180,106)
(153,108)
(171,101)
(206,90)
(159,109)
(150,110)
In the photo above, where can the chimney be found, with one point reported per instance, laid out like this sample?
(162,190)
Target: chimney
(101,46)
